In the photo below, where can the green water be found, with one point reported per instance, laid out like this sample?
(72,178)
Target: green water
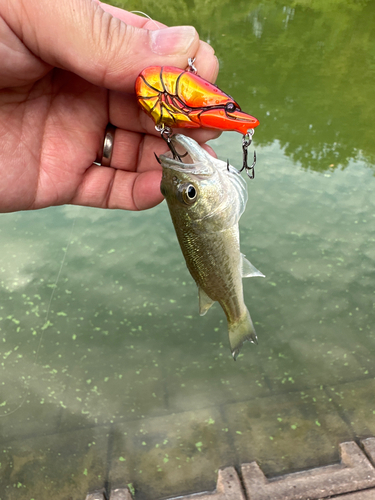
(109,377)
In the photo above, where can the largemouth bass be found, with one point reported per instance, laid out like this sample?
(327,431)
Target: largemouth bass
(206,199)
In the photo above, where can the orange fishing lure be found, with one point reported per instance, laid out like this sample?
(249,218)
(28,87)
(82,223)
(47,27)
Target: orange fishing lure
(174,97)
(179,98)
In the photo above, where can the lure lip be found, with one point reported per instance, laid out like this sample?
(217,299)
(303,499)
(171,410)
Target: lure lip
(247,121)
(220,118)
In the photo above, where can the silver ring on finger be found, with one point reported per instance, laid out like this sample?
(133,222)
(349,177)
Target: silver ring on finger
(105,156)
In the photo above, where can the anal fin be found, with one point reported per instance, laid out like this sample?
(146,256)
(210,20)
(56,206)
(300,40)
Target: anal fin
(204,301)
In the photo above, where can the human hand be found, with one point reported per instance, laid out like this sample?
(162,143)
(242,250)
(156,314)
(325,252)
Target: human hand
(67,69)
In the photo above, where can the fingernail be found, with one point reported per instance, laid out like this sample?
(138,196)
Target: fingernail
(175,40)
(216,71)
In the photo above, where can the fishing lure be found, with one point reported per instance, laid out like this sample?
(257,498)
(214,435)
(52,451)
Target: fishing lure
(173,97)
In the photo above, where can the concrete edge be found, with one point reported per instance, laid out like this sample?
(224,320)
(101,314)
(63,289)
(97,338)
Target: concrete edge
(351,479)
(354,472)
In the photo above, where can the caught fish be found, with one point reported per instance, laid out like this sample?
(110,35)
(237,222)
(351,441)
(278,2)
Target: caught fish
(206,199)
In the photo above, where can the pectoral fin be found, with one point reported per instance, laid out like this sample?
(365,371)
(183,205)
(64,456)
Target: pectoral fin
(204,302)
(248,270)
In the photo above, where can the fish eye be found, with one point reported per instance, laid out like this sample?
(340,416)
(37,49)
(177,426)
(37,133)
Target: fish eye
(189,194)
(230,106)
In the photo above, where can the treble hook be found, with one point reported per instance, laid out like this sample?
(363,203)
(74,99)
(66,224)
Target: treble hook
(166,134)
(246,141)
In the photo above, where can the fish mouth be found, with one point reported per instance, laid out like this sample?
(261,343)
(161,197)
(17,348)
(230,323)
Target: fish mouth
(196,159)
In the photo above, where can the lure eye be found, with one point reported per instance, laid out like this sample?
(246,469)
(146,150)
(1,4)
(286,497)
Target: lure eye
(230,107)
(189,194)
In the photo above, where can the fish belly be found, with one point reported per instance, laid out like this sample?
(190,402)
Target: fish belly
(214,261)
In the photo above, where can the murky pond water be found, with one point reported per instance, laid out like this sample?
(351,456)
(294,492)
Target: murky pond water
(108,374)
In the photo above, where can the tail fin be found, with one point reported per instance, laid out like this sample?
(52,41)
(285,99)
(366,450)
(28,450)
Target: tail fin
(239,332)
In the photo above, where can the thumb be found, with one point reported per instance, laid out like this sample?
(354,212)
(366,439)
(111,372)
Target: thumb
(82,37)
